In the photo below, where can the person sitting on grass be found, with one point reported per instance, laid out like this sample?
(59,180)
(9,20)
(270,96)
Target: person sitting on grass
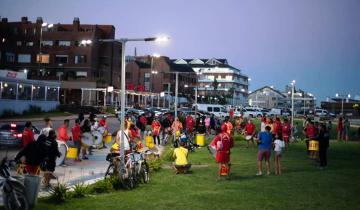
(264,149)
(180,154)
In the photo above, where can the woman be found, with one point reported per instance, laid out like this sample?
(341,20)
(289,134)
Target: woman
(323,139)
(156,126)
(223,143)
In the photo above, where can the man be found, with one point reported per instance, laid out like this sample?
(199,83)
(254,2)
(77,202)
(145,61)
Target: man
(264,150)
(51,151)
(47,128)
(28,134)
(228,125)
(63,131)
(189,121)
(180,154)
(277,127)
(309,133)
(249,132)
(286,131)
(156,126)
(76,136)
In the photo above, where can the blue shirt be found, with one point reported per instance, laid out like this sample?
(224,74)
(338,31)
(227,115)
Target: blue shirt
(265,140)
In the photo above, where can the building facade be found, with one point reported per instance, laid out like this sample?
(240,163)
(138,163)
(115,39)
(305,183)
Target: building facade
(216,77)
(70,53)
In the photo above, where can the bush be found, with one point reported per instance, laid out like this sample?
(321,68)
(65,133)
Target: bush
(59,193)
(155,165)
(8,113)
(102,186)
(168,154)
(115,182)
(80,191)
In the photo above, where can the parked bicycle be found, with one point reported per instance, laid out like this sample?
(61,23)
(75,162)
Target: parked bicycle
(12,189)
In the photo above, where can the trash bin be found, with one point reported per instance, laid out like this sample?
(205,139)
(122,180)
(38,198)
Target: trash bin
(32,187)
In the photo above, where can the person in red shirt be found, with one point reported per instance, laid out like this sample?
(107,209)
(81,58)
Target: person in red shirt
(231,113)
(340,129)
(27,134)
(63,131)
(276,127)
(76,136)
(223,143)
(189,124)
(309,133)
(250,132)
(286,131)
(155,127)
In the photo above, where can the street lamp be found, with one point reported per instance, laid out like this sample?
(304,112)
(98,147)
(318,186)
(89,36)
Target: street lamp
(292,105)
(43,25)
(122,95)
(342,101)
(153,71)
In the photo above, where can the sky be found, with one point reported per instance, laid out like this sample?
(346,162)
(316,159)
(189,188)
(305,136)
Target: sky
(315,42)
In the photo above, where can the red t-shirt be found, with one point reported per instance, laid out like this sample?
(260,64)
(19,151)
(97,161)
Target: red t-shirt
(286,129)
(102,122)
(27,136)
(189,123)
(75,130)
(310,131)
(276,127)
(250,128)
(62,133)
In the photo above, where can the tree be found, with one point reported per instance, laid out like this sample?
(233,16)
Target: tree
(215,84)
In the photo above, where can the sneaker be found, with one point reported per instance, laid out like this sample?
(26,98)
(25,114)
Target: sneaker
(259,174)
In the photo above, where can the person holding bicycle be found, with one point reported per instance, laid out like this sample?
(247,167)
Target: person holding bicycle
(51,152)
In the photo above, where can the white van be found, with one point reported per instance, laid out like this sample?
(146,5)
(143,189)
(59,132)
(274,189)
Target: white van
(217,110)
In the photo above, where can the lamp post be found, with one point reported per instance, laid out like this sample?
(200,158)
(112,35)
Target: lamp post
(122,95)
(292,105)
(342,101)
(43,25)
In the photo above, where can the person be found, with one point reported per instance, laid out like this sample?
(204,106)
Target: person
(263,123)
(141,124)
(309,131)
(76,133)
(286,131)
(85,128)
(177,126)
(229,126)
(190,124)
(231,113)
(166,128)
(238,124)
(346,130)
(212,123)
(223,143)
(329,126)
(200,125)
(323,139)
(156,126)
(117,144)
(81,116)
(180,155)
(340,129)
(51,150)
(278,148)
(27,134)
(264,150)
(47,128)
(276,127)
(249,132)
(63,131)
(207,124)
(102,123)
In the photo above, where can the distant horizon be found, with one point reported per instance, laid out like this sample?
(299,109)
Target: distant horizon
(316,43)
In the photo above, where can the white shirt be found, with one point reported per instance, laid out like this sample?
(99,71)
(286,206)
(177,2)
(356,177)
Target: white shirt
(279,145)
(263,125)
(45,131)
(126,142)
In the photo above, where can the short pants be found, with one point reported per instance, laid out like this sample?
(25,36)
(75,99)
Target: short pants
(264,153)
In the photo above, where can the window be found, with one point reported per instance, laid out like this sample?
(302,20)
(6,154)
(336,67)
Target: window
(29,44)
(38,93)
(10,57)
(80,59)
(52,94)
(44,58)
(128,75)
(64,43)
(18,43)
(24,58)
(9,91)
(24,92)
(216,109)
(61,58)
(209,109)
(47,43)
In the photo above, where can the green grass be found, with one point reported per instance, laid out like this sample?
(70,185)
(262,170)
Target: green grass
(302,185)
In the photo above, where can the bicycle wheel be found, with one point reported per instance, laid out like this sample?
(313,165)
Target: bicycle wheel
(128,183)
(110,171)
(10,200)
(145,173)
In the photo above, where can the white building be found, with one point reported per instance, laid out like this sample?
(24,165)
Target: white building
(230,81)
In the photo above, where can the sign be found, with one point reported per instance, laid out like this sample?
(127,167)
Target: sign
(12,74)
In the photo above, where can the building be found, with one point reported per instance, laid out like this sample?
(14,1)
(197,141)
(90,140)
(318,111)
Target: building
(157,74)
(269,97)
(350,107)
(18,94)
(217,78)
(70,53)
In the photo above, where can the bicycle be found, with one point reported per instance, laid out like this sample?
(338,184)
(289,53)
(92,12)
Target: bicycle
(12,189)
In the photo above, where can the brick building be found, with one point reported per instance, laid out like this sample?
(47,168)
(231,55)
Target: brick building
(153,74)
(70,53)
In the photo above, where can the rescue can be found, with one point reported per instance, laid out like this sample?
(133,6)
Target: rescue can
(200,139)
(149,142)
(108,139)
(71,153)
(313,145)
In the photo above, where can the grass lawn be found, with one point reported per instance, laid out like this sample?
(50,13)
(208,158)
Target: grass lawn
(302,185)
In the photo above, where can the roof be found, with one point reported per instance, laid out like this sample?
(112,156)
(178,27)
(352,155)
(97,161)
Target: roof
(179,67)
(277,91)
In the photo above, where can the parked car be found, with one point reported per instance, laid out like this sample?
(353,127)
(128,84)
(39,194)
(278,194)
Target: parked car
(11,134)
(128,111)
(321,112)
(217,110)
(252,112)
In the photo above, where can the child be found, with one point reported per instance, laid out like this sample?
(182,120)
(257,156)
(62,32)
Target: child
(278,148)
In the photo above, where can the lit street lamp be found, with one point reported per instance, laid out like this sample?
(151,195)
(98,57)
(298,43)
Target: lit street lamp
(292,105)
(43,25)
(342,101)
(122,95)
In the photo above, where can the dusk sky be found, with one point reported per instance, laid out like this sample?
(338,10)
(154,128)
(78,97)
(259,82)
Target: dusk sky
(315,42)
